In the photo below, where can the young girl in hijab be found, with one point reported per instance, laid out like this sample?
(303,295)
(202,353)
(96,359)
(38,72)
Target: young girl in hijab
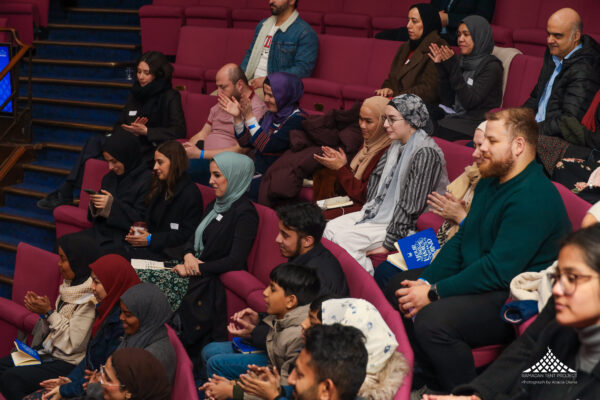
(121,200)
(351,178)
(111,276)
(221,243)
(152,113)
(269,137)
(174,208)
(471,84)
(412,70)
(63,332)
(134,374)
(410,169)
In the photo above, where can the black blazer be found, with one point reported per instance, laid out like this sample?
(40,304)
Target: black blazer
(172,222)
(228,242)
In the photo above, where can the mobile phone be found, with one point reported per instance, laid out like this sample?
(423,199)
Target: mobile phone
(90,191)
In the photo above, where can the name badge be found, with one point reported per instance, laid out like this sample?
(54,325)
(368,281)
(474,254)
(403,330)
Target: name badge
(132,113)
(219,217)
(470,81)
(407,61)
(174,226)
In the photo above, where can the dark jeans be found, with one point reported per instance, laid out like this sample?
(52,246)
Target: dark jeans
(18,382)
(91,149)
(444,333)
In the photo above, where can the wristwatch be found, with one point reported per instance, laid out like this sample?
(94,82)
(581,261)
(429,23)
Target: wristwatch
(433,294)
(45,316)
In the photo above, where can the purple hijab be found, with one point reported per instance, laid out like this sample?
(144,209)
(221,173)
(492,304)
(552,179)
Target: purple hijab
(287,90)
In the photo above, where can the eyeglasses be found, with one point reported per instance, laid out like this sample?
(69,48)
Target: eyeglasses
(104,383)
(568,280)
(391,120)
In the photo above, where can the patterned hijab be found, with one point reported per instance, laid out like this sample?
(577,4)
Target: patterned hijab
(287,90)
(358,313)
(238,169)
(373,145)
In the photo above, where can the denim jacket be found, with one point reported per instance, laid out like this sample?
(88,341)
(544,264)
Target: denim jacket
(294,48)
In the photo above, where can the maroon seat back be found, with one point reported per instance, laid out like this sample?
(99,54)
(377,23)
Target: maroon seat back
(575,205)
(196,107)
(457,157)
(184,386)
(36,270)
(522,78)
(208,194)
(339,50)
(93,173)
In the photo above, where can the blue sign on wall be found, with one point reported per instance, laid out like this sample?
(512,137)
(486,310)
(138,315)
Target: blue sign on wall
(5,84)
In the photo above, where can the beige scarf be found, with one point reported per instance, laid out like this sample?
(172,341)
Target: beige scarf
(375,144)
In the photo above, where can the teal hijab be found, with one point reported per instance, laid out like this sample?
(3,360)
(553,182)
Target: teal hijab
(238,169)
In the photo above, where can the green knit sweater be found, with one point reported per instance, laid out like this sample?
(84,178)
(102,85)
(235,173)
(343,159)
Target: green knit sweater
(511,228)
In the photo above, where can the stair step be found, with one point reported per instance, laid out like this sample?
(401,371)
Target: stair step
(96,27)
(19,216)
(22,190)
(109,91)
(121,46)
(127,4)
(67,49)
(75,110)
(83,69)
(103,10)
(73,125)
(75,103)
(43,176)
(95,33)
(101,16)
(64,147)
(45,168)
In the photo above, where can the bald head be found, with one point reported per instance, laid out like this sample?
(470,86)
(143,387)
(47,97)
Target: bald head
(564,32)
(231,80)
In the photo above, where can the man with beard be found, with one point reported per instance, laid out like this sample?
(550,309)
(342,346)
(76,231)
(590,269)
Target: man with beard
(516,221)
(295,45)
(332,365)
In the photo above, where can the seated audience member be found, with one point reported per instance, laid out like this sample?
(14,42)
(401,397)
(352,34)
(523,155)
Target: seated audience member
(566,330)
(174,208)
(269,137)
(386,368)
(221,243)
(565,87)
(411,168)
(294,41)
(453,206)
(451,13)
(63,332)
(456,301)
(112,276)
(135,374)
(121,199)
(301,227)
(470,84)
(152,113)
(217,134)
(352,178)
(412,71)
(287,297)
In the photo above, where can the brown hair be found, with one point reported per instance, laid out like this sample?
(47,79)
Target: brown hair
(175,152)
(519,122)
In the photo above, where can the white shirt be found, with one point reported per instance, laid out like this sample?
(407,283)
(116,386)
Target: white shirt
(261,69)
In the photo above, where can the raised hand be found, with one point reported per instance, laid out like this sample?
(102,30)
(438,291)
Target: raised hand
(229,105)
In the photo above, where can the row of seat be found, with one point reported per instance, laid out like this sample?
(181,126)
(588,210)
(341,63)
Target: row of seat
(347,69)
(517,23)
(24,15)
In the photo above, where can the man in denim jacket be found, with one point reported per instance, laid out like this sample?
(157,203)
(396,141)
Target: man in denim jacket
(294,43)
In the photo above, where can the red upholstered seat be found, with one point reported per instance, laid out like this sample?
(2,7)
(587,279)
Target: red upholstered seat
(70,219)
(208,194)
(249,15)
(522,78)
(196,107)
(356,16)
(210,13)
(313,11)
(41,12)
(575,205)
(20,16)
(36,270)
(184,386)
(160,27)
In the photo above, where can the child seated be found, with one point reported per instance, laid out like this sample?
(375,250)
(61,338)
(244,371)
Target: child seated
(287,297)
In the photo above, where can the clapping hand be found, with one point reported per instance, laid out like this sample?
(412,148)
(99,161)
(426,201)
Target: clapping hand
(137,127)
(439,54)
(331,158)
(37,304)
(230,105)
(263,382)
(448,207)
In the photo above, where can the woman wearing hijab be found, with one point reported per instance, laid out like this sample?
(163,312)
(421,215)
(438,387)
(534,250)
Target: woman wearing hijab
(111,276)
(269,137)
(134,374)
(351,179)
(411,168)
(174,208)
(63,332)
(221,243)
(470,84)
(121,200)
(412,70)
(152,113)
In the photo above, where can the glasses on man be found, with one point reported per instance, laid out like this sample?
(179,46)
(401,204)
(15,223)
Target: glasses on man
(568,280)
(391,120)
(103,377)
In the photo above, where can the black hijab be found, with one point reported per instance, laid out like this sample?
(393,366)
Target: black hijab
(431,22)
(125,147)
(81,251)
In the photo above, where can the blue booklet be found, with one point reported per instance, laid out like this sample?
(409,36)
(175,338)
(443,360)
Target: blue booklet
(416,250)
(24,355)
(242,347)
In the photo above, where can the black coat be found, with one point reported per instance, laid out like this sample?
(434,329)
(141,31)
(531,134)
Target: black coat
(573,88)
(165,122)
(171,222)
(461,9)
(129,206)
(502,380)
(330,273)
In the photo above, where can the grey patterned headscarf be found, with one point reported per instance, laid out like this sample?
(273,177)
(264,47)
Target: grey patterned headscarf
(412,109)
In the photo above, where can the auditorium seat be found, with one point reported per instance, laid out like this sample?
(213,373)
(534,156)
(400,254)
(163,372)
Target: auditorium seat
(354,19)
(208,194)
(575,205)
(20,16)
(210,13)
(184,386)
(160,23)
(313,12)
(395,17)
(522,78)
(35,270)
(70,219)
(196,107)
(248,15)
(510,15)
(42,8)
(200,55)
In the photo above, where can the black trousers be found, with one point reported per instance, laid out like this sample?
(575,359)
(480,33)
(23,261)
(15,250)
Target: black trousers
(91,149)
(18,382)
(444,333)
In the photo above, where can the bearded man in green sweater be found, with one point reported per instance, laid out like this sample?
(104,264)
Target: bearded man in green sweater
(516,222)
